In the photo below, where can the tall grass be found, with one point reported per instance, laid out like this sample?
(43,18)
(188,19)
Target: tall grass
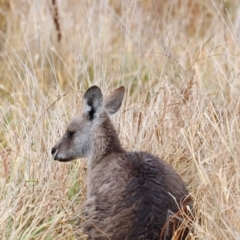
(180,63)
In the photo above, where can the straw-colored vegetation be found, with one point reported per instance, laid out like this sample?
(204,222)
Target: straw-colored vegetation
(179,61)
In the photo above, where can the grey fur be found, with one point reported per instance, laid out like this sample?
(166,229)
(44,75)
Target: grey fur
(129,194)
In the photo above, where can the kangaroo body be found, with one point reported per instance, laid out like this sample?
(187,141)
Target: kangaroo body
(130,195)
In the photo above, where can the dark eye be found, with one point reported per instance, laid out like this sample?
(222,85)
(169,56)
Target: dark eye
(70,134)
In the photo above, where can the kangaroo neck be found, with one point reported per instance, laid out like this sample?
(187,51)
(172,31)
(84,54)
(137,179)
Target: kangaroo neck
(105,140)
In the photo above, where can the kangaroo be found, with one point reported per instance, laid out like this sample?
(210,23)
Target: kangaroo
(130,195)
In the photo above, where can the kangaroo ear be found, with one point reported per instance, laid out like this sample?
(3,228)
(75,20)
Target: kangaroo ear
(93,101)
(114,100)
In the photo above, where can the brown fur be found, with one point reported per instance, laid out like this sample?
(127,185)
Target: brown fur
(130,195)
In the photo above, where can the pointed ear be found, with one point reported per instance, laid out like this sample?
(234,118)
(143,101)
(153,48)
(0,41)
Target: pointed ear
(114,100)
(93,101)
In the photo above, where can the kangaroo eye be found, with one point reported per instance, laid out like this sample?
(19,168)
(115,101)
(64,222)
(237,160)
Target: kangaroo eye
(70,134)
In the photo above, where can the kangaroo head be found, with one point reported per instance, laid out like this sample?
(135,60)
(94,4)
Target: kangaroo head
(77,141)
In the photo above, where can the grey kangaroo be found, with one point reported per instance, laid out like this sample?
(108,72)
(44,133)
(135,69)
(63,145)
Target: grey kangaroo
(130,195)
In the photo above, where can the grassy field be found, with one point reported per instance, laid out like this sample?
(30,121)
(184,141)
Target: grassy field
(179,61)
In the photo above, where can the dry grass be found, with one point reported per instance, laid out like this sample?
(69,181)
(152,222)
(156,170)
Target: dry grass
(180,63)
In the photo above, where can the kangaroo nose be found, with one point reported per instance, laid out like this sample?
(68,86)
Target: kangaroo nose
(53,151)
